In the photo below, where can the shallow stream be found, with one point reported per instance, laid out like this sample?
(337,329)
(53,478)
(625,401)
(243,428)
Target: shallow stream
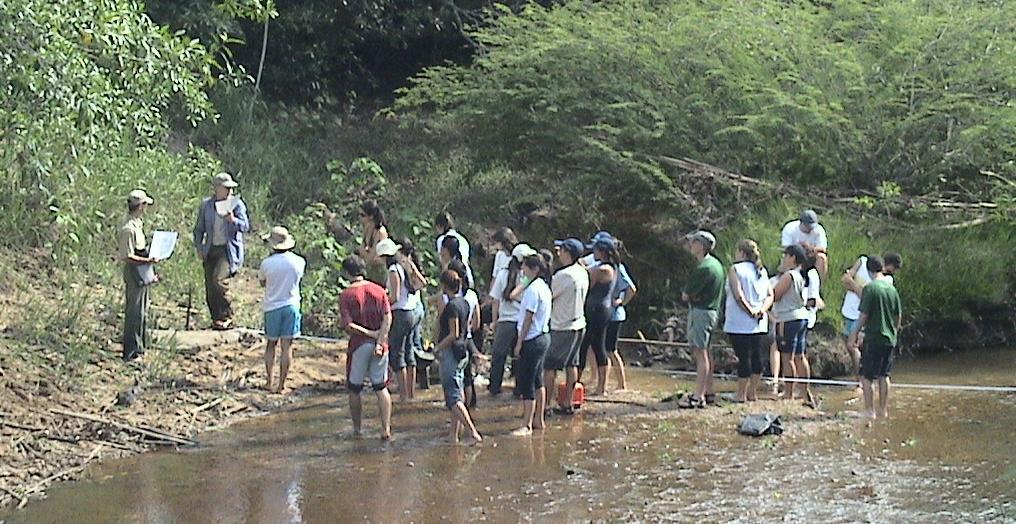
(942,457)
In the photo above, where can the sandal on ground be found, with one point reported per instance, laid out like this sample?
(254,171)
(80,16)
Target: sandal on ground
(691,402)
(812,401)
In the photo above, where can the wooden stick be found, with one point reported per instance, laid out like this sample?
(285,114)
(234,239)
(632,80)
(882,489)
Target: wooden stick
(657,342)
(151,433)
(207,405)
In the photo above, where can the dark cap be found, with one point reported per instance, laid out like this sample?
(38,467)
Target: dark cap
(809,216)
(573,245)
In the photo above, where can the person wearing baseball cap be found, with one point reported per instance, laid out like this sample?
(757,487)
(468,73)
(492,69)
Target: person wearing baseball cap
(218,236)
(280,274)
(704,293)
(505,311)
(133,253)
(809,234)
(569,287)
(590,259)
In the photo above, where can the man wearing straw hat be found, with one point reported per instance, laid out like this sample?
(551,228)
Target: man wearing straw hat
(280,275)
(133,253)
(218,237)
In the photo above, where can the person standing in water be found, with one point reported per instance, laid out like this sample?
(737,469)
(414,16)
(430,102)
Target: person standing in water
(624,292)
(366,317)
(854,280)
(133,253)
(881,318)
(280,275)
(405,298)
(453,354)
(472,325)
(569,287)
(791,312)
(533,341)
(598,310)
(218,236)
(703,292)
(749,297)
(506,314)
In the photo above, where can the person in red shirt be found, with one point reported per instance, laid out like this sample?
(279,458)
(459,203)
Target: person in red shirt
(366,318)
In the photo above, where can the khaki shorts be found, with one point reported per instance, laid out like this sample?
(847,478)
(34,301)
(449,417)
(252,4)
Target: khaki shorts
(700,327)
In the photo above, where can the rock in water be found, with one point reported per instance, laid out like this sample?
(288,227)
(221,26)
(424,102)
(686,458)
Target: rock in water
(128,397)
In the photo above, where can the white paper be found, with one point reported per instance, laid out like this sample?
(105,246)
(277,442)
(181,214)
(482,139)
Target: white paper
(163,243)
(223,207)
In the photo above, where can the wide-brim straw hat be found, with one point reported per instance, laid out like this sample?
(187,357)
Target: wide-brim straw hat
(280,239)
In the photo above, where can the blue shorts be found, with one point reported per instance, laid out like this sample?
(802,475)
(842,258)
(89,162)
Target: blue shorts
(283,322)
(849,325)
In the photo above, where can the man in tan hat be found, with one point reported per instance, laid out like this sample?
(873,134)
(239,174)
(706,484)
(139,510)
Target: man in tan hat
(280,275)
(133,253)
(218,236)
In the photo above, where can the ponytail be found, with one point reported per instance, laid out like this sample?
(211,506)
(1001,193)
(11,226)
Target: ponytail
(752,254)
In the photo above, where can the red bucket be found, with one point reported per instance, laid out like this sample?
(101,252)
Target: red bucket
(578,396)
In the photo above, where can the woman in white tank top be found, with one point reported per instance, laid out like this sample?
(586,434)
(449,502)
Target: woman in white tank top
(749,297)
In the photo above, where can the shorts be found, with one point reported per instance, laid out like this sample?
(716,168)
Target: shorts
(877,359)
(700,327)
(362,364)
(849,325)
(283,322)
(529,378)
(400,338)
(563,351)
(452,378)
(794,337)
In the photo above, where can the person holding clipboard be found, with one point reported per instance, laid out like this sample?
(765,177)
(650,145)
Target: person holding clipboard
(218,237)
(133,253)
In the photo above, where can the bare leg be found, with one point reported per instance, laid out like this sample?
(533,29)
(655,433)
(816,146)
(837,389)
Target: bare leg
(709,372)
(269,362)
(701,372)
(883,397)
(285,359)
(601,378)
(384,401)
(355,411)
(803,368)
(550,382)
(742,390)
(753,385)
(410,378)
(855,363)
(822,264)
(528,410)
(456,424)
(789,371)
(461,416)
(571,378)
(869,402)
(541,405)
(622,379)
(774,366)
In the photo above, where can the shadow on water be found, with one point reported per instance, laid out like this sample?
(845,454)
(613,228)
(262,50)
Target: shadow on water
(944,456)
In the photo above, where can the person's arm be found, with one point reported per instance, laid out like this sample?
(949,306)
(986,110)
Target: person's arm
(199,232)
(782,286)
(735,289)
(861,321)
(821,243)
(129,250)
(527,322)
(629,294)
(694,287)
(394,286)
(382,332)
(848,278)
(454,330)
(238,217)
(474,319)
(767,302)
(262,279)
(416,276)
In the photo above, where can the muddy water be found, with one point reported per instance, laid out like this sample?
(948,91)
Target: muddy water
(943,457)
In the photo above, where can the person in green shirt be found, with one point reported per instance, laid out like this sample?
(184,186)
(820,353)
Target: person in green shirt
(704,294)
(881,317)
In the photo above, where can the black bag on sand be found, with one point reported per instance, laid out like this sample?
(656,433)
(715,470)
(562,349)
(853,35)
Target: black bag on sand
(759,424)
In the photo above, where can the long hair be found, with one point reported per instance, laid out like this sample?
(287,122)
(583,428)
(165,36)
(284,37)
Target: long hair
(409,250)
(460,269)
(371,209)
(538,263)
(451,281)
(752,254)
(514,267)
(450,243)
(613,257)
(506,237)
(811,258)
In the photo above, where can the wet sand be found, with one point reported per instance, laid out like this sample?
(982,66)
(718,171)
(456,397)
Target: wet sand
(943,457)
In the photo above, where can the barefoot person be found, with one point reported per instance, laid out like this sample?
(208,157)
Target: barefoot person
(703,292)
(280,275)
(624,292)
(598,310)
(809,234)
(133,253)
(218,236)
(453,354)
(366,318)
(404,297)
(854,280)
(881,318)
(505,310)
(533,340)
(567,320)
(746,323)
(791,312)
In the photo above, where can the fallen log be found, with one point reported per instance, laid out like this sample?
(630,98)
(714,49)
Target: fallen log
(147,432)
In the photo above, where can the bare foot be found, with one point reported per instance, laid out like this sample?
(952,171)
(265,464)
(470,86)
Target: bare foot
(522,432)
(387,437)
(883,414)
(537,427)
(476,439)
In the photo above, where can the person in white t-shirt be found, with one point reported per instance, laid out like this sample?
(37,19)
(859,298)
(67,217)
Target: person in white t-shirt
(280,274)
(445,225)
(533,341)
(403,283)
(854,280)
(569,287)
(809,234)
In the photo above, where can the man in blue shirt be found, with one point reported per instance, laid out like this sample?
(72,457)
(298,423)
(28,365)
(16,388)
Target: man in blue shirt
(218,236)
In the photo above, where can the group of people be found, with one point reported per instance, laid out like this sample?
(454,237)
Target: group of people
(550,311)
